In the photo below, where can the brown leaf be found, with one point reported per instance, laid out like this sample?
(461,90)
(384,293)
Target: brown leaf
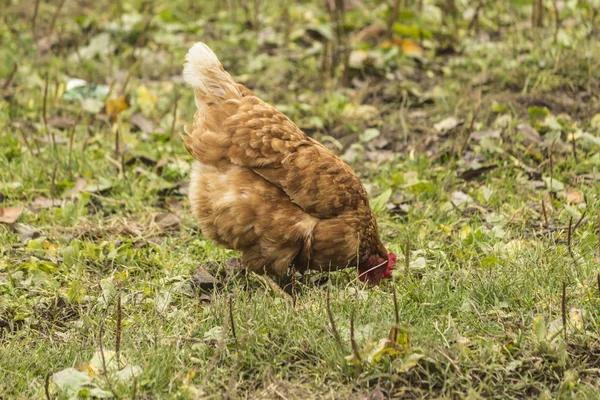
(409,47)
(203,280)
(10,215)
(573,196)
(167,222)
(60,122)
(145,125)
(474,173)
(531,135)
(80,184)
(26,232)
(490,133)
(115,105)
(370,33)
(589,178)
(43,202)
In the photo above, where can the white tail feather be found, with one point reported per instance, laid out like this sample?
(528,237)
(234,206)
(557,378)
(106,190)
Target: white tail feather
(203,71)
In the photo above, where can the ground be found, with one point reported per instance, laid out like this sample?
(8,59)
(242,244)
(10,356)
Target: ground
(474,126)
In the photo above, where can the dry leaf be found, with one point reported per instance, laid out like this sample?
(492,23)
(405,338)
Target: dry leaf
(203,280)
(447,125)
(26,232)
(10,215)
(409,47)
(370,33)
(115,105)
(80,184)
(167,222)
(573,196)
(531,135)
(145,125)
(474,173)
(42,202)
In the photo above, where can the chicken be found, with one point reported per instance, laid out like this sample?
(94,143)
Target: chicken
(261,186)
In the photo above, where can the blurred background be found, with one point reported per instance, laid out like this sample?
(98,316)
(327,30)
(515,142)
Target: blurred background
(336,67)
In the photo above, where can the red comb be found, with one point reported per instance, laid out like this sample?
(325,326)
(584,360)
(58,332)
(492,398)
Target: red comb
(390,265)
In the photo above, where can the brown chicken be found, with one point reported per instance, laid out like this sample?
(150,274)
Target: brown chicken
(261,186)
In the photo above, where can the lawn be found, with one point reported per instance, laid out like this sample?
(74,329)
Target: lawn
(474,126)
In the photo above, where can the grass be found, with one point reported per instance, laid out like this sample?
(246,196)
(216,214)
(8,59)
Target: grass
(501,294)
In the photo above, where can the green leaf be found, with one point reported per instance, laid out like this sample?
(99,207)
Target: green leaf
(369,134)
(378,203)
(536,113)
(539,328)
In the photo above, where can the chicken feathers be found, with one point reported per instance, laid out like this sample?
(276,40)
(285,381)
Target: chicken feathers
(261,186)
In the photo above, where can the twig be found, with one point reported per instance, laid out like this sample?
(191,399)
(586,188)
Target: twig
(393,18)
(407,255)
(550,153)
(26,141)
(468,135)
(44,112)
(117,142)
(569,234)
(34,18)
(134,394)
(579,220)
(233,324)
(598,235)
(106,377)
(118,328)
(293,287)
(353,341)
(396,310)
(537,14)
(336,334)
(564,309)
(395,331)
(574,149)
(71,136)
(47,385)
(544,212)
(475,18)
(11,77)
(54,17)
(53,183)
(556,20)
(174,116)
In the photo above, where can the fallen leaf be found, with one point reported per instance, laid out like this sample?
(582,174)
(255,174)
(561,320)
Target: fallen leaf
(144,124)
(10,215)
(446,125)
(370,32)
(71,381)
(369,134)
(553,184)
(474,173)
(26,232)
(43,202)
(60,122)
(531,135)
(589,178)
(203,280)
(100,186)
(409,47)
(459,198)
(167,222)
(573,196)
(80,184)
(116,105)
(490,133)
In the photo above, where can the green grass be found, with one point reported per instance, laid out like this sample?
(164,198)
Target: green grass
(481,304)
